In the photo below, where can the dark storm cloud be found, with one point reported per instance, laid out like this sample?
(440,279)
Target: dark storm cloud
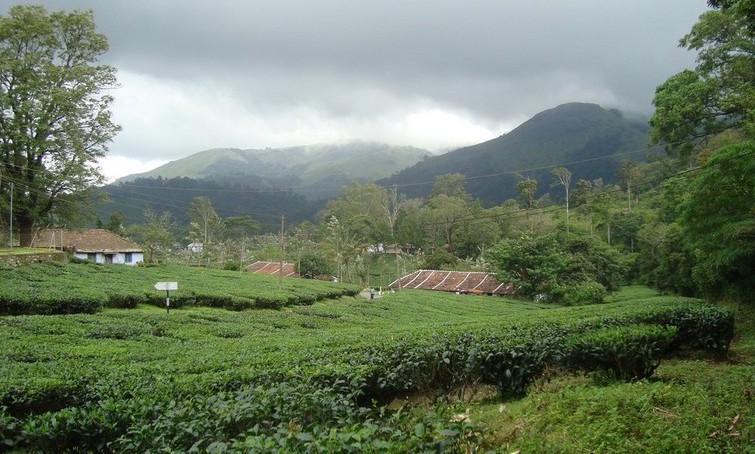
(341,66)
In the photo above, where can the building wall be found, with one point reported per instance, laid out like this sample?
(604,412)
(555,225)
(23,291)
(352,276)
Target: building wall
(118,257)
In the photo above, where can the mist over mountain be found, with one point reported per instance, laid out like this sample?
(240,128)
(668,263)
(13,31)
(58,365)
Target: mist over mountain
(585,138)
(317,171)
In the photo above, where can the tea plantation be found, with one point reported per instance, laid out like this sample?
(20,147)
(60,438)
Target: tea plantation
(314,374)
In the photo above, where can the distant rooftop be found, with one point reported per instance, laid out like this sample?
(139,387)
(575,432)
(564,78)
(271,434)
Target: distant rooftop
(86,240)
(273,268)
(454,281)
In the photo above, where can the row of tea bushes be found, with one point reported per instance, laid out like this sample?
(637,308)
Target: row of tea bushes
(298,396)
(56,288)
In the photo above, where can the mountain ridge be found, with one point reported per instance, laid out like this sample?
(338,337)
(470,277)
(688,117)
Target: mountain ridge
(320,166)
(587,139)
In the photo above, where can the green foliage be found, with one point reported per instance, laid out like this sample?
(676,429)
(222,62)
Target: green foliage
(571,268)
(718,94)
(585,292)
(530,263)
(691,406)
(240,227)
(312,265)
(204,222)
(442,217)
(154,234)
(65,289)
(439,259)
(364,209)
(310,378)
(630,352)
(56,121)
(719,221)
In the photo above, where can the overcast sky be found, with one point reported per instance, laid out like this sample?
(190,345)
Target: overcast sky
(429,73)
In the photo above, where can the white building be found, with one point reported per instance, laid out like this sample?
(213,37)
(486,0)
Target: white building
(96,245)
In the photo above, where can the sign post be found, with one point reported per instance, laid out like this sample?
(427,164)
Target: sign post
(167,286)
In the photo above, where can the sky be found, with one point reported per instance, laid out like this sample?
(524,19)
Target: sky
(435,74)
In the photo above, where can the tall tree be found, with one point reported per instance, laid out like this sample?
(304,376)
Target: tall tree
(450,184)
(562,177)
(55,121)
(443,215)
(365,209)
(527,188)
(719,218)
(236,231)
(720,93)
(716,100)
(628,174)
(154,234)
(240,227)
(203,219)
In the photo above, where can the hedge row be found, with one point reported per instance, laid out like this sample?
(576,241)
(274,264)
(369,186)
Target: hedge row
(310,400)
(49,289)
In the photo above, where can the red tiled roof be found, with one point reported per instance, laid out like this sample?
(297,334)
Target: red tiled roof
(454,281)
(87,240)
(272,268)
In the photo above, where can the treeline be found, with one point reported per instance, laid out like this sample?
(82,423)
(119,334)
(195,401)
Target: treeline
(684,222)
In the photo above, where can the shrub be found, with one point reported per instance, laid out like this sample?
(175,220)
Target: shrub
(312,265)
(586,292)
(630,352)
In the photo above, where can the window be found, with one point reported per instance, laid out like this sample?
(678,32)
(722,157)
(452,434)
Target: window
(129,257)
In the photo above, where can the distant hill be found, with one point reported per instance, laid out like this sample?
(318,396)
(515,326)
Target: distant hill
(588,140)
(319,171)
(175,195)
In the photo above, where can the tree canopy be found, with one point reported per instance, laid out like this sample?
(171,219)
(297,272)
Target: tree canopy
(713,105)
(55,121)
(719,217)
(719,94)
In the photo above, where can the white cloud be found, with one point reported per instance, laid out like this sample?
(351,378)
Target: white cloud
(115,166)
(173,119)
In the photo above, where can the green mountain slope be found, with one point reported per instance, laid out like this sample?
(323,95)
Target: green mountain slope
(587,139)
(318,170)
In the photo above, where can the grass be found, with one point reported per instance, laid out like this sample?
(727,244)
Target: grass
(22,250)
(692,404)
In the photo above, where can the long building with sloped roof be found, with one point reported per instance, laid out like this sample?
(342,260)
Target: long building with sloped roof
(453,281)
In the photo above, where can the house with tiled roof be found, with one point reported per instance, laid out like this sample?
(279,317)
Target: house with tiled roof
(273,268)
(96,245)
(475,282)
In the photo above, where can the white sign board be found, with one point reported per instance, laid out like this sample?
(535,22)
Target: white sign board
(166,286)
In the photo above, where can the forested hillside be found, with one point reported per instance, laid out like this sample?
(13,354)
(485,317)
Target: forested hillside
(175,195)
(316,171)
(297,181)
(591,140)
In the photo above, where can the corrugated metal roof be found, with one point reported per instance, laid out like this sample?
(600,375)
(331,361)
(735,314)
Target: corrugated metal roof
(273,268)
(454,281)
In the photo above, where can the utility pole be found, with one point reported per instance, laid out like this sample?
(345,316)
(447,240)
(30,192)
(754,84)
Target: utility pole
(282,252)
(11,215)
(398,267)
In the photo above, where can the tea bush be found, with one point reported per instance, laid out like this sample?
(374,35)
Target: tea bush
(48,289)
(309,378)
(630,352)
